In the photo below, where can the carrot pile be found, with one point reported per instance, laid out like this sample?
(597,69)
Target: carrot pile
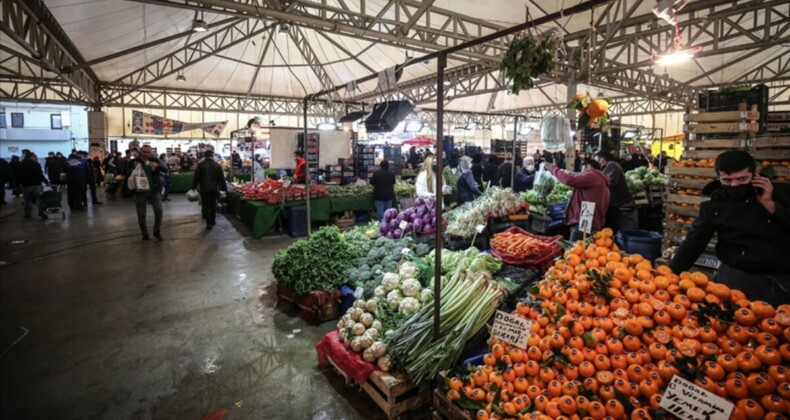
(518,244)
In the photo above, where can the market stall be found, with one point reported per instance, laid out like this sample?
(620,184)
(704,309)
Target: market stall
(181,182)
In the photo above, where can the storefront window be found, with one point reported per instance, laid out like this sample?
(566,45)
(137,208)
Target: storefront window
(56,122)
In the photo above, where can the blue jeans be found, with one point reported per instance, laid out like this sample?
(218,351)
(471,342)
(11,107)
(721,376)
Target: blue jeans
(381,207)
(30,193)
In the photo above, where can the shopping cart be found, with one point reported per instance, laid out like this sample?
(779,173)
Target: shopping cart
(51,203)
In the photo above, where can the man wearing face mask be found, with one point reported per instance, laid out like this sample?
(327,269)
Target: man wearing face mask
(751,217)
(589,185)
(525,176)
(622,213)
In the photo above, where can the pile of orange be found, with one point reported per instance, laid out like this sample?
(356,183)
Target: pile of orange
(611,331)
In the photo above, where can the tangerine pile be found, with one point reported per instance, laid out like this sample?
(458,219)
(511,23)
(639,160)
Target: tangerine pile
(610,332)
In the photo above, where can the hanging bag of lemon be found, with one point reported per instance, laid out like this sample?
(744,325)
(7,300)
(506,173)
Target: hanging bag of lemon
(610,331)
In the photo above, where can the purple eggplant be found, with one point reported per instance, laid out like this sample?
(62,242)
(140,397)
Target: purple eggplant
(390,214)
(393,224)
(419,202)
(383,228)
(397,233)
(417,225)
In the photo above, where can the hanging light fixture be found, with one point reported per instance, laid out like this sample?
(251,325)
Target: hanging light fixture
(471,125)
(678,54)
(198,24)
(181,77)
(525,129)
(283,30)
(326,126)
(413,126)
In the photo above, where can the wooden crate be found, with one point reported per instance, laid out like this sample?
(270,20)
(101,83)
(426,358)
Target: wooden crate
(686,199)
(722,127)
(701,172)
(700,117)
(444,409)
(682,211)
(395,394)
(689,183)
(346,221)
(771,148)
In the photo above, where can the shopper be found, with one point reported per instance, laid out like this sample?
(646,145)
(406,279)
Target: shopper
(210,179)
(383,182)
(505,172)
(13,171)
(90,180)
(30,179)
(414,159)
(144,181)
(53,168)
(622,213)
(425,185)
(660,162)
(525,176)
(468,189)
(299,171)
(491,172)
(75,183)
(164,177)
(589,185)
(751,217)
(3,180)
(477,168)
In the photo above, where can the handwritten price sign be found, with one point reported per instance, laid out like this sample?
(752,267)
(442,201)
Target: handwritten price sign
(688,401)
(511,329)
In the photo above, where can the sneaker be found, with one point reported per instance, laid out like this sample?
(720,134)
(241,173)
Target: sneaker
(145,237)
(158,235)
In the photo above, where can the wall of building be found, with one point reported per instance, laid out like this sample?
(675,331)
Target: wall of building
(37,133)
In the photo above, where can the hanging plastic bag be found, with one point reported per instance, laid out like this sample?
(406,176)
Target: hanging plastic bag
(555,132)
(544,182)
(192,195)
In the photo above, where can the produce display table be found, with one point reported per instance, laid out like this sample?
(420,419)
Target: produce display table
(343,204)
(181,182)
(260,217)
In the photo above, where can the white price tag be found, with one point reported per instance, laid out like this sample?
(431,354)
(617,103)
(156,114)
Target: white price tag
(403,225)
(688,401)
(586,218)
(287,183)
(511,329)
(358,293)
(479,228)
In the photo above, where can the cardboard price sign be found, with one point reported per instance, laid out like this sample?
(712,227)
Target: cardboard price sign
(688,401)
(586,219)
(511,329)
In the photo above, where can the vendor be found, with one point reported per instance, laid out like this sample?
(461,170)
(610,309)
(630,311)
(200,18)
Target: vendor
(751,217)
(589,185)
(425,185)
(468,189)
(383,182)
(525,176)
(299,171)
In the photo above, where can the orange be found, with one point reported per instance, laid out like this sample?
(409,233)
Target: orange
(745,316)
(774,403)
(695,294)
(700,279)
(615,408)
(750,408)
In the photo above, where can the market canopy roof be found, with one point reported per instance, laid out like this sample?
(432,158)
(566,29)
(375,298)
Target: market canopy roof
(248,51)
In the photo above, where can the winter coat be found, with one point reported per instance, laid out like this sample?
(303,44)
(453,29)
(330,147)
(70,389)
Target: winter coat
(593,186)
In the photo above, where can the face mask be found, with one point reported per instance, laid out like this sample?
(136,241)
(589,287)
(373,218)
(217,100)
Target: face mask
(530,168)
(739,192)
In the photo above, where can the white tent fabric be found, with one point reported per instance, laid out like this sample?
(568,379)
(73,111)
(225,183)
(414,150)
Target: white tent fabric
(102,27)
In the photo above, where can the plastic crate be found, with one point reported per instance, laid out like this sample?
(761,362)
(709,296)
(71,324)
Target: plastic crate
(557,211)
(539,223)
(296,221)
(346,298)
(361,217)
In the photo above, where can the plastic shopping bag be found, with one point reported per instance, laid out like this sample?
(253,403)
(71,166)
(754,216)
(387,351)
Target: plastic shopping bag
(192,195)
(555,132)
(544,182)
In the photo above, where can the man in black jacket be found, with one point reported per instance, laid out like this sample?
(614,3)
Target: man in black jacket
(383,182)
(622,213)
(505,172)
(751,217)
(30,179)
(211,179)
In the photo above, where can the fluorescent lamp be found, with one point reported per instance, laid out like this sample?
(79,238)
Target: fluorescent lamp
(326,126)
(471,125)
(181,78)
(629,135)
(525,130)
(198,25)
(673,58)
(413,126)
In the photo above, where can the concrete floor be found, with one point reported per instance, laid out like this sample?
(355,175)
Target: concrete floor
(125,329)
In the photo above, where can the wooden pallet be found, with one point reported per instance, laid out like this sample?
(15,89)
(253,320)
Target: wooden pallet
(701,117)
